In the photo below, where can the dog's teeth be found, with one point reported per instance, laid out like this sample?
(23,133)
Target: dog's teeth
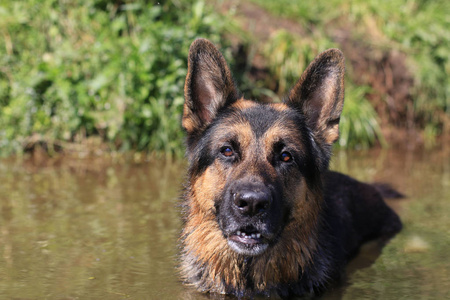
(248,235)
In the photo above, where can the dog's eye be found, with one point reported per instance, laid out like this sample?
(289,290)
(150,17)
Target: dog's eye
(285,156)
(227,151)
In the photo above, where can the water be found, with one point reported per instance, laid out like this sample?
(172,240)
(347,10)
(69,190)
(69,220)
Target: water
(95,230)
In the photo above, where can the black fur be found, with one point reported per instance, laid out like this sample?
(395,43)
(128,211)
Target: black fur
(260,190)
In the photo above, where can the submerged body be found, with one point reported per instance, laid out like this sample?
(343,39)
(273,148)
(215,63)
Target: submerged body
(262,213)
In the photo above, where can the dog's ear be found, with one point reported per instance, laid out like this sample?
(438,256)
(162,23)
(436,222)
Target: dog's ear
(319,95)
(209,86)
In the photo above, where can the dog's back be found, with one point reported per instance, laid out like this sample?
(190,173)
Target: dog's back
(356,212)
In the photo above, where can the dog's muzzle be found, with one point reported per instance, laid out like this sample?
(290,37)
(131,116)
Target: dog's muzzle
(248,217)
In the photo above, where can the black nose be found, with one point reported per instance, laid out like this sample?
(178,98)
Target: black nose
(252,202)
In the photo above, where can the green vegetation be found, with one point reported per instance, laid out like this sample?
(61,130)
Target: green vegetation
(418,28)
(114,70)
(287,56)
(70,70)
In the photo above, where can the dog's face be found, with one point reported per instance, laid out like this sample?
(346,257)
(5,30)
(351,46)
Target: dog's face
(256,160)
(255,168)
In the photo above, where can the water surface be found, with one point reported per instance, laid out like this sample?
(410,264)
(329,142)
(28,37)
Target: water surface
(88,230)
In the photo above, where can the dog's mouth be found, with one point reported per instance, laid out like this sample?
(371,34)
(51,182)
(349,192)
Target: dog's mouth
(246,237)
(248,241)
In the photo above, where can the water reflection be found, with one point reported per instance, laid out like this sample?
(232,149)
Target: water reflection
(110,230)
(415,264)
(89,234)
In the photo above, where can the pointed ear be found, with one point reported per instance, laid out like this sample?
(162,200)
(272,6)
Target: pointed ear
(319,95)
(209,86)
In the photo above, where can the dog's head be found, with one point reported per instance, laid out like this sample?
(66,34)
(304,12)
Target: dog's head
(255,168)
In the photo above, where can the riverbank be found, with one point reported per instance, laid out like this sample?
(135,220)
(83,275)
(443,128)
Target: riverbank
(107,77)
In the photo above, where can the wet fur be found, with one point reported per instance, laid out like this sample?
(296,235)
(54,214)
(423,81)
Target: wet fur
(317,218)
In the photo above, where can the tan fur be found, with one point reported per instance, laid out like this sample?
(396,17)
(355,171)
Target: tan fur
(282,263)
(281,131)
(287,259)
(189,124)
(279,106)
(317,101)
(243,104)
(202,229)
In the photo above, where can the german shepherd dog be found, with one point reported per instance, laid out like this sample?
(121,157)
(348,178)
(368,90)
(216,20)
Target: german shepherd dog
(262,215)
